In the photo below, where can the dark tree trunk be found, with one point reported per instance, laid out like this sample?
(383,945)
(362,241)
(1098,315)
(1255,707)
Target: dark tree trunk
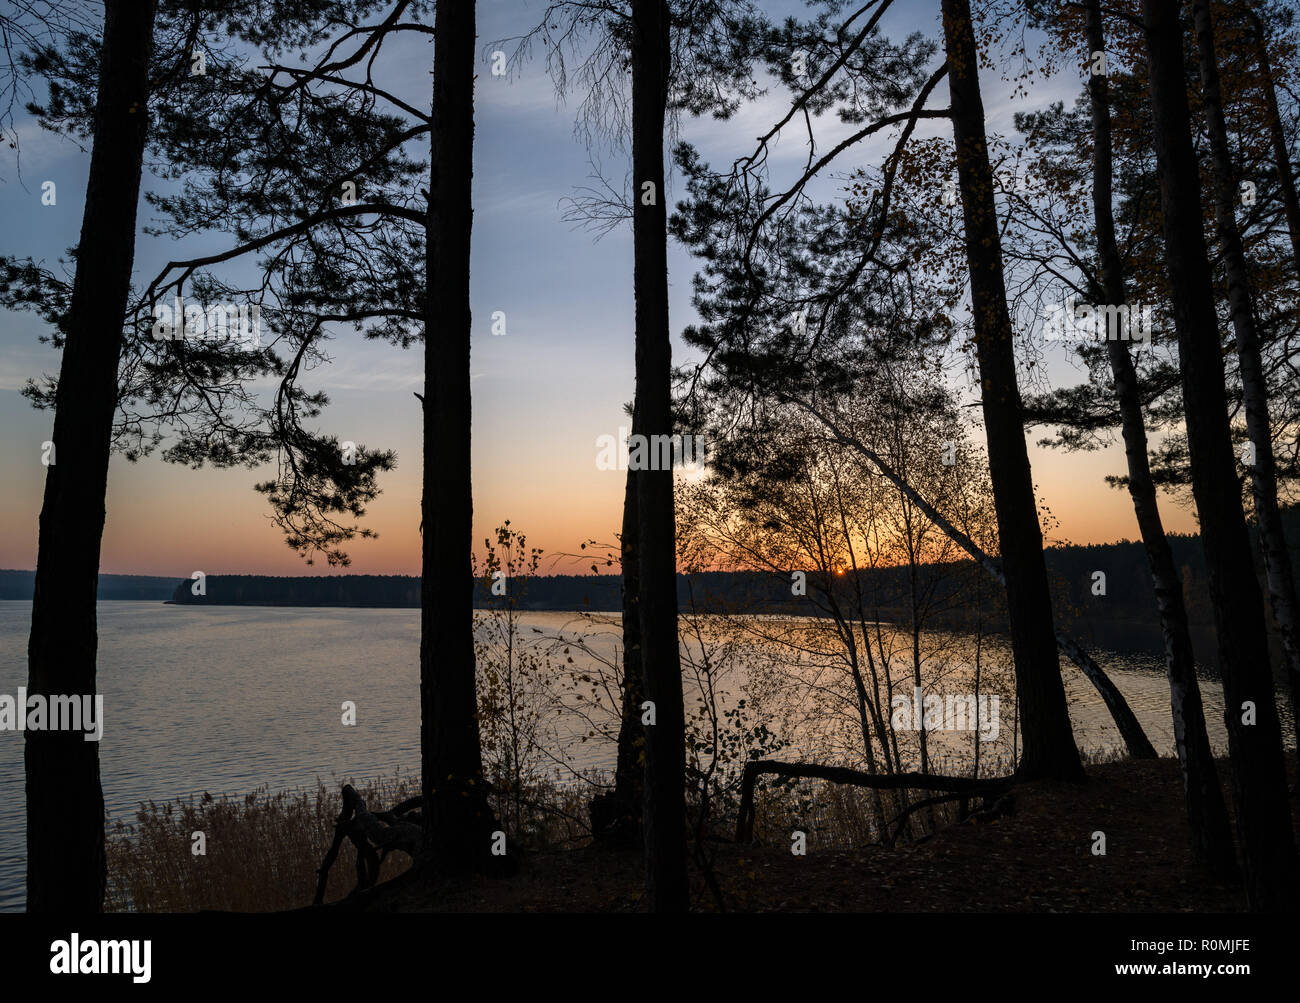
(1277,135)
(457,820)
(664,807)
(1254,384)
(1268,854)
(65,803)
(1207,815)
(616,817)
(1048,748)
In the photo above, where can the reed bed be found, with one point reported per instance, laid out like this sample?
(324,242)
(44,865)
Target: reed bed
(262,850)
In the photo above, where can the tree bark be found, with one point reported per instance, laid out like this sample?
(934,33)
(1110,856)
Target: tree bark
(1207,815)
(1267,848)
(1263,471)
(458,823)
(1048,748)
(618,819)
(65,802)
(664,810)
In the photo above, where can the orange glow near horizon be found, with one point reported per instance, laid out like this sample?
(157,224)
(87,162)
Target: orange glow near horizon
(164,520)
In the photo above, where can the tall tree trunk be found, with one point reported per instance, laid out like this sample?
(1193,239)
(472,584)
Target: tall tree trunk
(457,820)
(617,816)
(1281,155)
(665,808)
(1263,471)
(1207,815)
(1268,853)
(914,629)
(1049,749)
(65,803)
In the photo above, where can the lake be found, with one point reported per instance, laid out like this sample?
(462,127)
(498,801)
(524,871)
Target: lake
(227,699)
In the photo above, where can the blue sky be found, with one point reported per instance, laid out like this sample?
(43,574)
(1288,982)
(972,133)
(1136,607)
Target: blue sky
(542,394)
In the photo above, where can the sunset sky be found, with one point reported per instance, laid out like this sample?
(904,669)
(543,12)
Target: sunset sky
(543,393)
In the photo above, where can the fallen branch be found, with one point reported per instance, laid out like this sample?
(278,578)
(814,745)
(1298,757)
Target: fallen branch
(842,775)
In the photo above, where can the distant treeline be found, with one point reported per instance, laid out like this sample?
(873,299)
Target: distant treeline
(21,585)
(330,590)
(1128,591)
(1128,595)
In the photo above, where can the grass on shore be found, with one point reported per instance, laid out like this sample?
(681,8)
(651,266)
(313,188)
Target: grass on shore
(263,851)
(261,855)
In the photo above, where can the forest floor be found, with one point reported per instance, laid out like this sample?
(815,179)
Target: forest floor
(1037,859)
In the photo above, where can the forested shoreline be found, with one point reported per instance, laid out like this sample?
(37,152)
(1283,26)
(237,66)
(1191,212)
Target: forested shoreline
(1128,591)
(1119,614)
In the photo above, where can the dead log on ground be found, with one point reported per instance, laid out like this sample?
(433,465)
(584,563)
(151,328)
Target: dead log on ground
(963,786)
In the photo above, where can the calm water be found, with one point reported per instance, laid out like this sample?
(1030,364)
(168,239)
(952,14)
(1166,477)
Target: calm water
(227,699)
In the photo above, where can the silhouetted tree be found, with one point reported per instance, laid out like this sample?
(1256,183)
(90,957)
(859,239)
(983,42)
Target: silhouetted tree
(1267,846)
(336,260)
(683,56)
(616,815)
(1255,391)
(66,868)
(458,821)
(1049,749)
(1063,140)
(1206,812)
(118,387)
(800,302)
(664,812)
